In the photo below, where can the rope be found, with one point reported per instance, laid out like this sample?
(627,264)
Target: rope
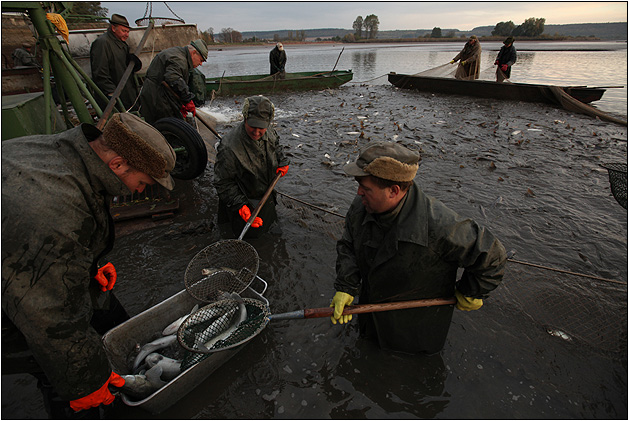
(171,11)
(508,259)
(365,81)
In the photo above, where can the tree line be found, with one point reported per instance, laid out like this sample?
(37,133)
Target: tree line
(531,27)
(364,28)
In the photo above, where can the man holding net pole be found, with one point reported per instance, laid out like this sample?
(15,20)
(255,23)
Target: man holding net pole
(400,244)
(469,65)
(506,58)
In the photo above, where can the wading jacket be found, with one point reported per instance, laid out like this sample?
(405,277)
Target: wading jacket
(108,58)
(277,59)
(470,54)
(414,255)
(55,226)
(245,168)
(508,56)
(173,66)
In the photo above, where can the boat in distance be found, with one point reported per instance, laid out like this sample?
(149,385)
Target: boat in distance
(497,90)
(269,84)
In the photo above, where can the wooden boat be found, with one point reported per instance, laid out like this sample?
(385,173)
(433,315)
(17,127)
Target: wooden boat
(489,89)
(266,84)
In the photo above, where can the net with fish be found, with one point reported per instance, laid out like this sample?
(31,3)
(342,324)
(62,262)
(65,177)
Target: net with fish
(618,181)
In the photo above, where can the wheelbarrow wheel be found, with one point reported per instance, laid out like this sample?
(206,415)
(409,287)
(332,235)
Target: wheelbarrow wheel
(188,145)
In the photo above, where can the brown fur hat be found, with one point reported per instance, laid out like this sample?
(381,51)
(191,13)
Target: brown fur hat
(387,160)
(142,145)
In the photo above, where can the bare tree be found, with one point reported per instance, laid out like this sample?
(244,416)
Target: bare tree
(371,25)
(358,27)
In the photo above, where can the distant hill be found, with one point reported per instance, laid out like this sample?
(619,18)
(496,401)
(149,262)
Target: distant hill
(606,31)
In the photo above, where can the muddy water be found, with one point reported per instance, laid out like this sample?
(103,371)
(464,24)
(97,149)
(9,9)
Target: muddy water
(545,345)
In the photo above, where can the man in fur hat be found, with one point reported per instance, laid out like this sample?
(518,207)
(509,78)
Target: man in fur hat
(56,229)
(469,66)
(506,58)
(400,244)
(109,58)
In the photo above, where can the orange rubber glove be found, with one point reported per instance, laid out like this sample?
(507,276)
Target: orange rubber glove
(106,277)
(189,107)
(283,170)
(504,67)
(101,396)
(245,214)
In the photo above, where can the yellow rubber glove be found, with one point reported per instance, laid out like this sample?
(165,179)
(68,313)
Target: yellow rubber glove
(463,62)
(340,300)
(467,303)
(451,61)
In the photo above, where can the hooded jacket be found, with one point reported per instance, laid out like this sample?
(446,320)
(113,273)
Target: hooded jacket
(414,253)
(173,66)
(277,59)
(55,227)
(470,54)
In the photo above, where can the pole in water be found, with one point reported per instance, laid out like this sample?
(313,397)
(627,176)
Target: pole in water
(337,59)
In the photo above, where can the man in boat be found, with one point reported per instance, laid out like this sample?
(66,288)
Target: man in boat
(56,229)
(23,57)
(109,58)
(400,244)
(248,159)
(277,57)
(507,56)
(166,91)
(469,65)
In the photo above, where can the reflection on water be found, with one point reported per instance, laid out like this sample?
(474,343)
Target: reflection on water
(560,63)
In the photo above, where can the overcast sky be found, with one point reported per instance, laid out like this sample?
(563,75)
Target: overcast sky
(265,16)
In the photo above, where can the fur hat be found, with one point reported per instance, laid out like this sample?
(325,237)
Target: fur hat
(258,111)
(387,160)
(142,145)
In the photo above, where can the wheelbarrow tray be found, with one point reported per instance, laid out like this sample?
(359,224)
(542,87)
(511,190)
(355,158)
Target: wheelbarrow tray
(120,342)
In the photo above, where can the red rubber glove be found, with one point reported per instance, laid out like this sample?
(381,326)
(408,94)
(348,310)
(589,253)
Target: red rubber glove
(504,67)
(106,277)
(496,63)
(101,396)
(283,170)
(245,214)
(189,107)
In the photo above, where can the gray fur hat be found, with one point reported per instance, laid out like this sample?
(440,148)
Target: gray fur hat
(142,145)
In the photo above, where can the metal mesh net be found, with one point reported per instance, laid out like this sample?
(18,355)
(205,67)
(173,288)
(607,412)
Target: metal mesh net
(223,267)
(618,181)
(215,327)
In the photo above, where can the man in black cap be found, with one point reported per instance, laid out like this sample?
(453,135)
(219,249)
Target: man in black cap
(56,227)
(109,58)
(166,91)
(400,244)
(248,159)
(506,58)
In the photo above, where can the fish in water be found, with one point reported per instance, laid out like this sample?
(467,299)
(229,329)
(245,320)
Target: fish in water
(141,386)
(171,368)
(235,320)
(152,347)
(172,328)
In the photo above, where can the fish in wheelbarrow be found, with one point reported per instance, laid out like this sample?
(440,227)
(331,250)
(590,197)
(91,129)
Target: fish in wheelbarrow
(171,368)
(141,386)
(171,329)
(152,347)
(225,325)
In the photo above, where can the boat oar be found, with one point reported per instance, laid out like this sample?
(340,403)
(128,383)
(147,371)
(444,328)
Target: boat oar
(337,59)
(259,207)
(311,313)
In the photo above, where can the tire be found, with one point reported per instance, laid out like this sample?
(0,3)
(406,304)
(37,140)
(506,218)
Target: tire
(188,145)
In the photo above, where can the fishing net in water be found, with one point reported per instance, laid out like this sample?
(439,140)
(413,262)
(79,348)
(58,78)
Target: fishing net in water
(577,308)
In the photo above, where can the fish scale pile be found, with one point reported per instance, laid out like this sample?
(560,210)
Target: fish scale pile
(152,370)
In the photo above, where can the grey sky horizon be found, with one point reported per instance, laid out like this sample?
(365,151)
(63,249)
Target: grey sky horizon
(296,15)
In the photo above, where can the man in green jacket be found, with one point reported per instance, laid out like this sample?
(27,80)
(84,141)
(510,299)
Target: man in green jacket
(56,228)
(400,244)
(247,160)
(109,58)
(165,92)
